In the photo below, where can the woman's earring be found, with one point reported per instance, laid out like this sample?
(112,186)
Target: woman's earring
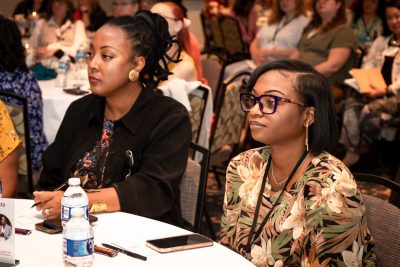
(306,142)
(133,75)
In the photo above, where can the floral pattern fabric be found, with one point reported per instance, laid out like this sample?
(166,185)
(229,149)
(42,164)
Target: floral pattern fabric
(25,84)
(319,221)
(91,166)
(9,139)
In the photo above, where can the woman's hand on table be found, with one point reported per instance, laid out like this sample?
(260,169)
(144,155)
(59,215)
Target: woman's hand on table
(50,203)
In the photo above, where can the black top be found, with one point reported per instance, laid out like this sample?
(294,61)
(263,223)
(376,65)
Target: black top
(157,130)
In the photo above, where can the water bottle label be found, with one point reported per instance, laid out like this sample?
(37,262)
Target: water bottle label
(78,248)
(80,54)
(66,212)
(62,65)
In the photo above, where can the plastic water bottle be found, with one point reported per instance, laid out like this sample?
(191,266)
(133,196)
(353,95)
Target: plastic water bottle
(62,69)
(80,63)
(78,240)
(74,197)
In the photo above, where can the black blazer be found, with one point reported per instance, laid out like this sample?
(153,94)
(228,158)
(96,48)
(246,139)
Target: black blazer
(157,130)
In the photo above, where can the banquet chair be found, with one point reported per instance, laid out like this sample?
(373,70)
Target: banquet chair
(383,221)
(193,187)
(19,116)
(233,41)
(213,70)
(227,130)
(198,101)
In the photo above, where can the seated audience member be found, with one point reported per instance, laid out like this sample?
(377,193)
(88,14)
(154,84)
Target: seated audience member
(193,45)
(125,7)
(9,144)
(366,21)
(291,202)
(59,32)
(278,38)
(131,142)
(26,7)
(91,13)
(16,78)
(328,42)
(384,54)
(243,11)
(174,14)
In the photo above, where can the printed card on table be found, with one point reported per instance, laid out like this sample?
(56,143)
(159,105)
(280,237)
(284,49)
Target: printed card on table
(7,231)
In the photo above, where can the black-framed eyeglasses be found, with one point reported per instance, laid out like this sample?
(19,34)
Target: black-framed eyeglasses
(266,103)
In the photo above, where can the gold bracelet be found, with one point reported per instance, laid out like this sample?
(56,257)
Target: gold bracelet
(98,207)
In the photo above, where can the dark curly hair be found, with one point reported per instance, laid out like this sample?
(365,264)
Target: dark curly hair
(12,52)
(150,38)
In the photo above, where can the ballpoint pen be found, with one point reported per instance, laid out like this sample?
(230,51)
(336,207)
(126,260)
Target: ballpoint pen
(125,251)
(56,189)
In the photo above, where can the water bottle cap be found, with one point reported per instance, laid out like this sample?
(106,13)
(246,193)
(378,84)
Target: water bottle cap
(76,212)
(74,181)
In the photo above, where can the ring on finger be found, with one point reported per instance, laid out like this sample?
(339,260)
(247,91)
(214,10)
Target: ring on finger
(46,212)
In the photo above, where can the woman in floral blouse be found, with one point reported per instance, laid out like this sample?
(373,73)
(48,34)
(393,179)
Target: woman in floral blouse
(291,203)
(9,144)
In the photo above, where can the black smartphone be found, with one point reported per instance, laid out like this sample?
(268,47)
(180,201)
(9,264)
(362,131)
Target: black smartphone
(177,243)
(2,264)
(54,226)
(75,91)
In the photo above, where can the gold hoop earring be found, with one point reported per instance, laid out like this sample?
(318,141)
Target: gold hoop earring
(306,141)
(133,75)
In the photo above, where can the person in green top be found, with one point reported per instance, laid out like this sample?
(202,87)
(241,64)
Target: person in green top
(327,42)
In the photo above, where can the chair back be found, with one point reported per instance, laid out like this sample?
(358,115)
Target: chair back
(213,70)
(193,187)
(229,118)
(394,197)
(19,116)
(198,101)
(383,219)
(233,41)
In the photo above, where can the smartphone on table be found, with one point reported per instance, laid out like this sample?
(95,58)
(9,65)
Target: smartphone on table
(178,243)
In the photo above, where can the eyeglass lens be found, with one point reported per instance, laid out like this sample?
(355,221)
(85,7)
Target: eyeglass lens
(266,103)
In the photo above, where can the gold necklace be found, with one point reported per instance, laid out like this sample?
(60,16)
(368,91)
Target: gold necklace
(282,182)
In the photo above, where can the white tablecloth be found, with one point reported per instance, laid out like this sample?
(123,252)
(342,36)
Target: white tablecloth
(55,104)
(127,230)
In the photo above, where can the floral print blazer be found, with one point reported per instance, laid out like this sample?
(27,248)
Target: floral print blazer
(319,220)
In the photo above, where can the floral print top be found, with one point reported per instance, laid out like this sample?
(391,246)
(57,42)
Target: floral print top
(90,167)
(9,139)
(319,221)
(25,84)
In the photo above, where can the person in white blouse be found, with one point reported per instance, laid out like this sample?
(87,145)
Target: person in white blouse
(278,38)
(58,31)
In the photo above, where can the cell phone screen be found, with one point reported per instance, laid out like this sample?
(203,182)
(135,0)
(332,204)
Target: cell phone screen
(176,243)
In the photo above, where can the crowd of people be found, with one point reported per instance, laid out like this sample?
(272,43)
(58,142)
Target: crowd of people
(131,144)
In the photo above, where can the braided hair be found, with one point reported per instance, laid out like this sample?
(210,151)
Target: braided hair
(150,38)
(12,52)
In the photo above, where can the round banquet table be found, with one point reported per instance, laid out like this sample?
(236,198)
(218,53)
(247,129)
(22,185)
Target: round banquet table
(127,230)
(56,103)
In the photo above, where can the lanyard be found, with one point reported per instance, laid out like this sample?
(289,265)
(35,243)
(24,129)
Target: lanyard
(279,27)
(265,220)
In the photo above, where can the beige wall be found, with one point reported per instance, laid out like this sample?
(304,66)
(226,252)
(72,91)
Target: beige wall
(194,7)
